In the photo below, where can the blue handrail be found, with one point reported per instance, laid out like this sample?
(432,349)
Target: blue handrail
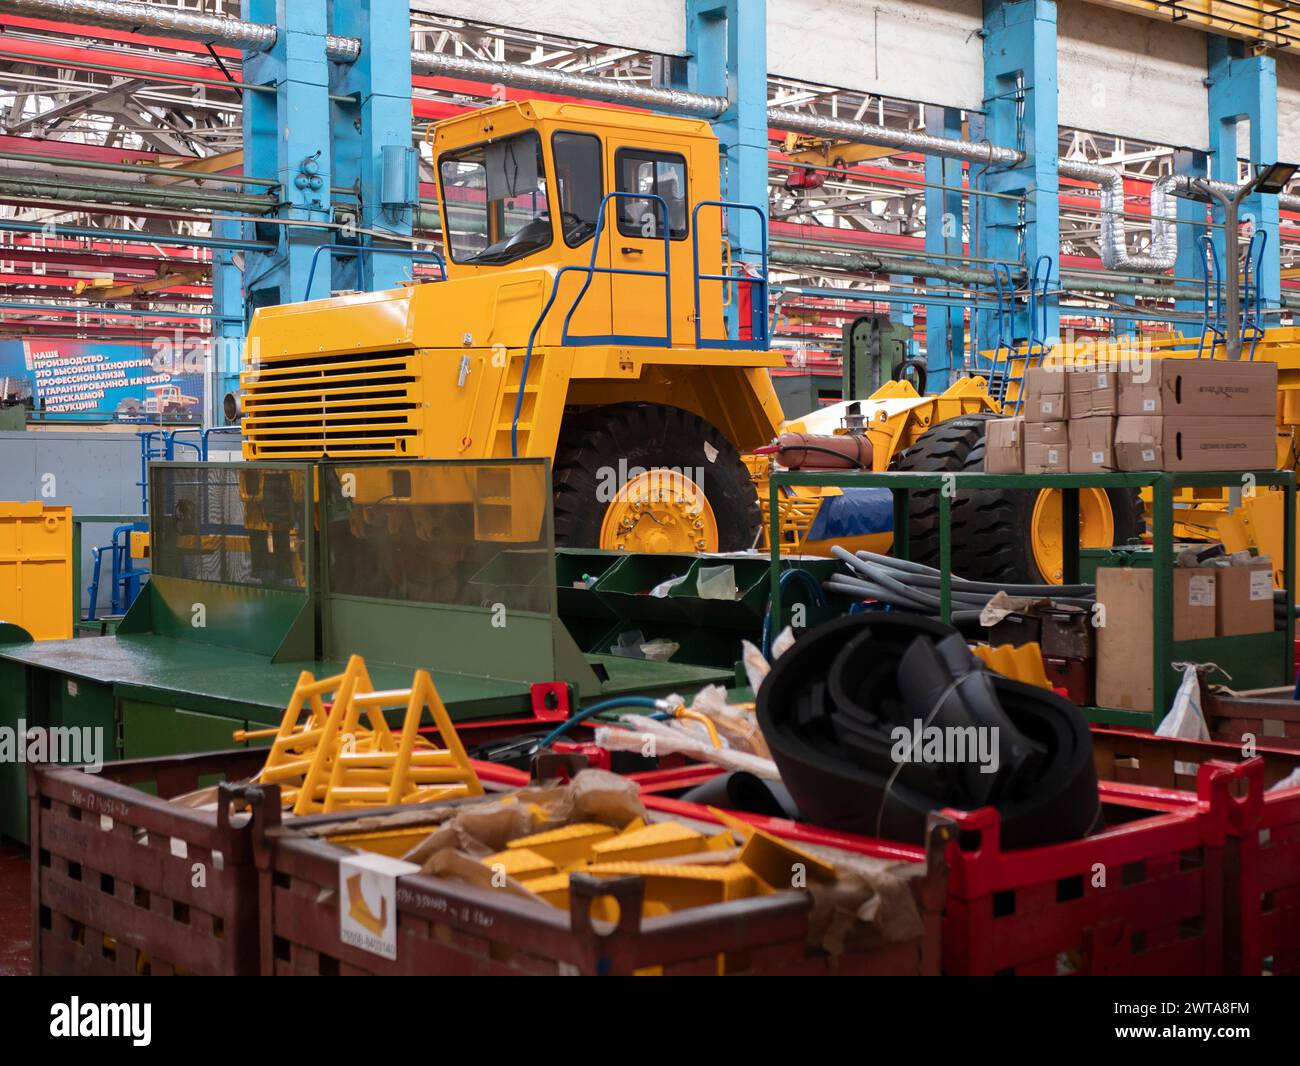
(591,270)
(1006,309)
(760,336)
(126,578)
(1251,311)
(1252,325)
(1211,324)
(360,251)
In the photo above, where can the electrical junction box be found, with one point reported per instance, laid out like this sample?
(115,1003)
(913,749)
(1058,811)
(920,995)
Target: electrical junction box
(400,181)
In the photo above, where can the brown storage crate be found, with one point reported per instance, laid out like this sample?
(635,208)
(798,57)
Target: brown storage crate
(1271,716)
(1132,757)
(446,927)
(113,870)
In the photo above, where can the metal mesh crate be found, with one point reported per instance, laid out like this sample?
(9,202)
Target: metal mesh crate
(124,882)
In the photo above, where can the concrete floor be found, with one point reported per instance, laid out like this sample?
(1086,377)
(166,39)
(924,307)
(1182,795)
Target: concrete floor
(15,912)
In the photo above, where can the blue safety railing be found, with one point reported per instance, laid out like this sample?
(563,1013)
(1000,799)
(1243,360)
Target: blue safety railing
(758,311)
(1005,352)
(591,270)
(1252,307)
(1004,344)
(1213,325)
(127,578)
(360,251)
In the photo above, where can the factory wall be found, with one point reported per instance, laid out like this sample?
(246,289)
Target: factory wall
(92,480)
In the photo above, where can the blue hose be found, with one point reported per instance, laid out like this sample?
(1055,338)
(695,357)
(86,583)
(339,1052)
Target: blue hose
(595,709)
(812,586)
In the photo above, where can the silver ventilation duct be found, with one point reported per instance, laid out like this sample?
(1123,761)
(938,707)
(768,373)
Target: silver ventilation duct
(171,22)
(1162,252)
(886,137)
(611,90)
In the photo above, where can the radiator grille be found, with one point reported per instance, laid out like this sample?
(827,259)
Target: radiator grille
(338,405)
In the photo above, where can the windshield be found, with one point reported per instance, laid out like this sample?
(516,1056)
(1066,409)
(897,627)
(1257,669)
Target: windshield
(495,197)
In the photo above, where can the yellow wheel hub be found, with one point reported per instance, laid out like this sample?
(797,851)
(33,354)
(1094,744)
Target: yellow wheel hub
(1096,529)
(659,511)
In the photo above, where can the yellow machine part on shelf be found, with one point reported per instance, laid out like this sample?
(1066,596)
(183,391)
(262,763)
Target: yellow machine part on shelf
(893,417)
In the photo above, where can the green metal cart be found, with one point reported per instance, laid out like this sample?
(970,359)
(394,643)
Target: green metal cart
(1256,661)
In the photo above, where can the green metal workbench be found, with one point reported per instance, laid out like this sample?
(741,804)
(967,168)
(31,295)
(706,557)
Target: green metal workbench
(258,576)
(1261,660)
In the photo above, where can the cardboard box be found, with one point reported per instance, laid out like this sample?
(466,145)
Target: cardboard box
(1047,448)
(1004,446)
(1092,445)
(1093,393)
(1236,389)
(1195,442)
(1046,394)
(1244,600)
(1125,642)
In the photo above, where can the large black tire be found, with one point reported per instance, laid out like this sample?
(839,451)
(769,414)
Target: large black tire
(649,436)
(992,535)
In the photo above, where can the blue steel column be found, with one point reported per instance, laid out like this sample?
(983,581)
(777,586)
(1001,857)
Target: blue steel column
(1190,263)
(726,44)
(228,328)
(1243,87)
(377,114)
(1021,111)
(945,332)
(287,136)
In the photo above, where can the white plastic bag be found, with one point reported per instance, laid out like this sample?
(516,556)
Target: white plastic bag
(1185,719)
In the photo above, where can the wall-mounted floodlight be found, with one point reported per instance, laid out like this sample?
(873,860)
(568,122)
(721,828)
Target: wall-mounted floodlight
(1273,177)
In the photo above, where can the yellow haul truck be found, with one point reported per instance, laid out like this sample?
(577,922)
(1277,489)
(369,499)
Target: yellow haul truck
(582,318)
(571,324)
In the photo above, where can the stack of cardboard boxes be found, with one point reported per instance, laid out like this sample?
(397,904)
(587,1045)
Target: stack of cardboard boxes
(1169,414)
(1226,597)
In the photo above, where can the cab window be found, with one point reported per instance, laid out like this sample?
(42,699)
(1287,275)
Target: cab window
(659,173)
(494,197)
(579,184)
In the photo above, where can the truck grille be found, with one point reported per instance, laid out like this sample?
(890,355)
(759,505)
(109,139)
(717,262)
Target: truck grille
(337,405)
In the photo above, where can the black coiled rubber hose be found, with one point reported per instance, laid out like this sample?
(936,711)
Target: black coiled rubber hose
(832,704)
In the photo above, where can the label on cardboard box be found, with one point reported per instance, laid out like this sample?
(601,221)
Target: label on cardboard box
(1047,407)
(1200,591)
(368,901)
(1053,456)
(1261,585)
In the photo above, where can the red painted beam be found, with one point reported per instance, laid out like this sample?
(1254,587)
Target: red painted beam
(101,33)
(65,259)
